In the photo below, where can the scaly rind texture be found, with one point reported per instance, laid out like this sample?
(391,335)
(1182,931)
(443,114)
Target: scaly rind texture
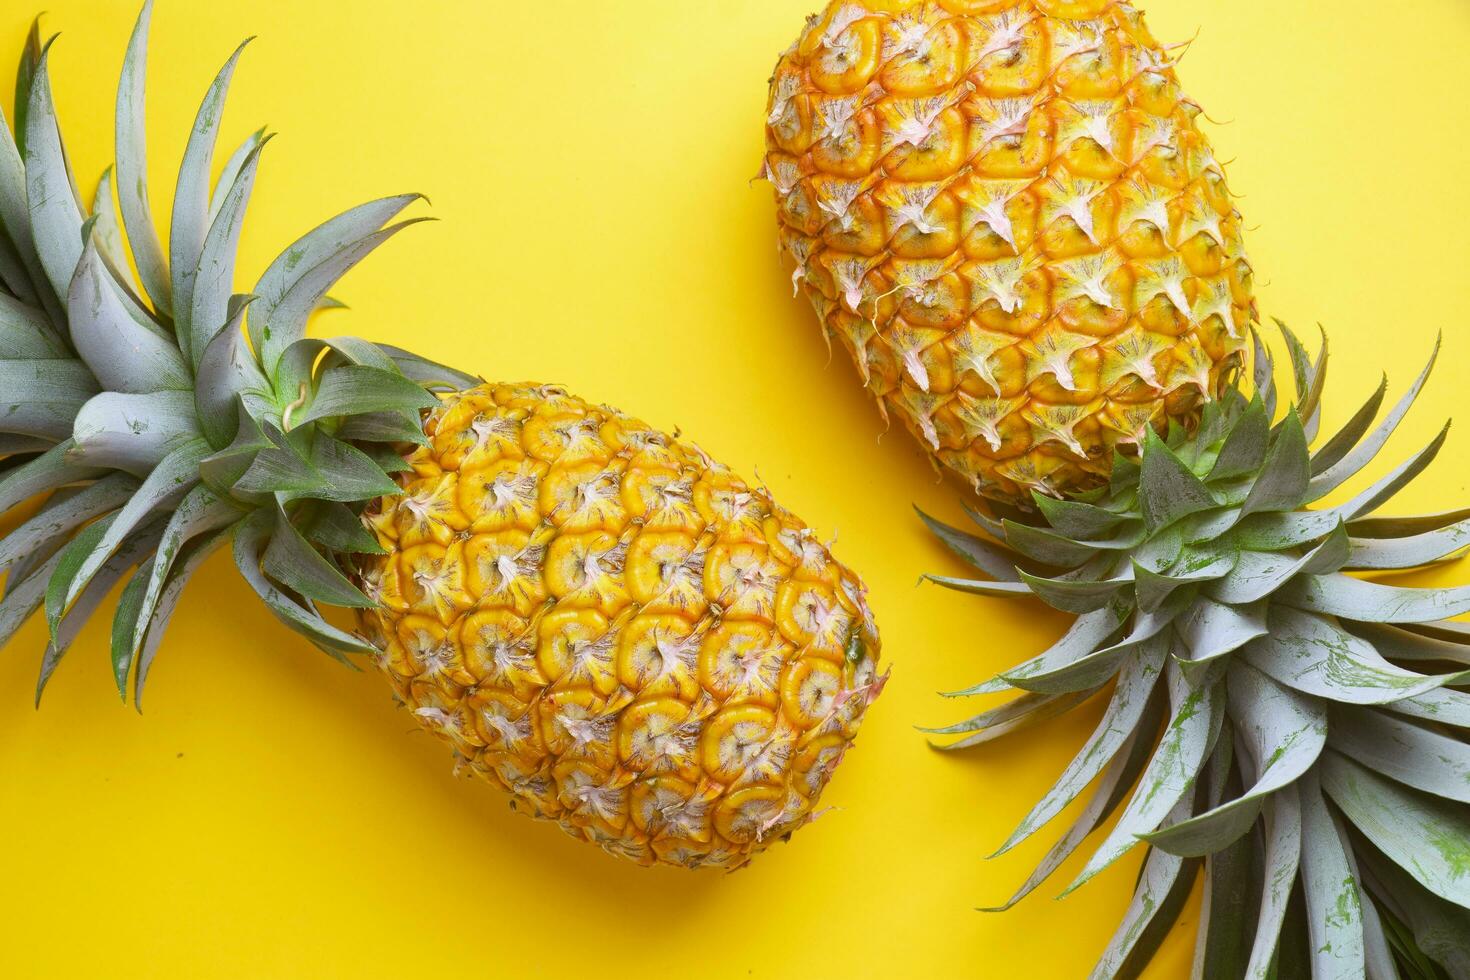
(1005,211)
(1293,725)
(624,635)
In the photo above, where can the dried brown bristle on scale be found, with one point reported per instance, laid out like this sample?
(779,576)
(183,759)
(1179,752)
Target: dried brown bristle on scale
(595,616)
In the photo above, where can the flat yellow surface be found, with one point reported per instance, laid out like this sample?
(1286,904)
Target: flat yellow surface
(272,815)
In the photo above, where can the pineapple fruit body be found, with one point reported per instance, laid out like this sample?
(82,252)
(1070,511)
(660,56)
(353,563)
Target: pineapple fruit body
(593,614)
(1005,211)
(616,629)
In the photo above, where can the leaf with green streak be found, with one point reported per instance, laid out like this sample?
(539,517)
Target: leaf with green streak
(1398,527)
(1198,714)
(124,622)
(1416,645)
(168,483)
(1282,858)
(1096,667)
(1437,928)
(1444,706)
(1282,481)
(55,521)
(1245,447)
(1260,574)
(1003,590)
(1372,602)
(1156,894)
(134,548)
(1046,546)
(1334,914)
(1110,791)
(1136,681)
(1075,595)
(24,595)
(200,512)
(1282,731)
(1412,551)
(1426,836)
(1022,712)
(1211,630)
(53,468)
(1152,589)
(1312,654)
(1412,754)
(1168,489)
(1082,637)
(994,559)
(74,558)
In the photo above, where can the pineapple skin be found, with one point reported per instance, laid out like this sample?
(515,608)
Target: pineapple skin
(1006,213)
(615,629)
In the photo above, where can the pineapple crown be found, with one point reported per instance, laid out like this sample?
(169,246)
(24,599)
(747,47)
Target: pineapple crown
(155,429)
(1297,730)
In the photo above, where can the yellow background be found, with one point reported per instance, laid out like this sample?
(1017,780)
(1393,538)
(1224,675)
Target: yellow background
(273,815)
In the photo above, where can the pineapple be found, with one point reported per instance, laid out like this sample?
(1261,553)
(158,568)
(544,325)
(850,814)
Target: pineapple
(594,615)
(615,628)
(1006,213)
(1295,735)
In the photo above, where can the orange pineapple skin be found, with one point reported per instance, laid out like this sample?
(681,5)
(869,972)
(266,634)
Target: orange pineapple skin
(1005,211)
(615,629)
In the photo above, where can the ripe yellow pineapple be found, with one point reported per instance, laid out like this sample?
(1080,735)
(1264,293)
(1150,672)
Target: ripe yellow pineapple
(1005,211)
(595,615)
(615,628)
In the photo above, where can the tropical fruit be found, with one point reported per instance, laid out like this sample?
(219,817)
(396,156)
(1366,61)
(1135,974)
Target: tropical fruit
(1005,211)
(615,628)
(1298,735)
(595,615)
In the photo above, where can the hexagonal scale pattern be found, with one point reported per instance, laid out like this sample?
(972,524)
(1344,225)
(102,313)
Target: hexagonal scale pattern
(1006,213)
(615,629)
